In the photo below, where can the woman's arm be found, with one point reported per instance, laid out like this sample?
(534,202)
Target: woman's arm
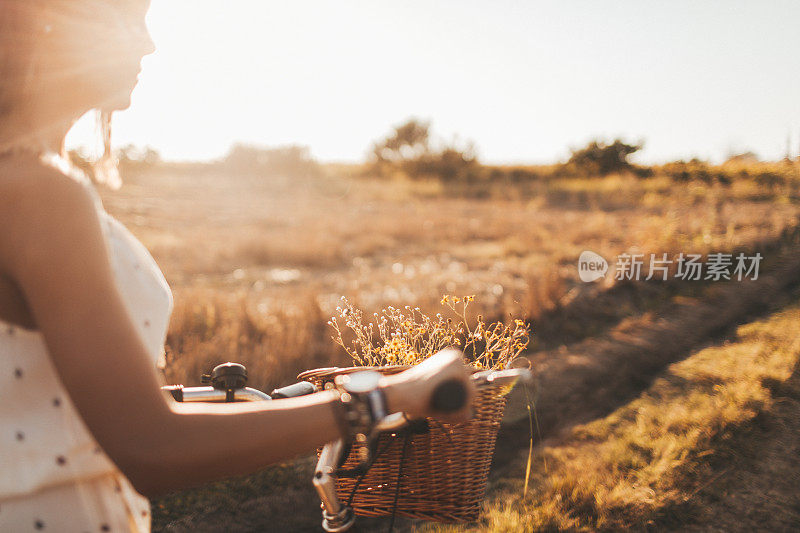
(52,245)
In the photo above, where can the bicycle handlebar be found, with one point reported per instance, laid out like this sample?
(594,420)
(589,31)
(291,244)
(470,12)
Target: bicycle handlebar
(210,394)
(228,386)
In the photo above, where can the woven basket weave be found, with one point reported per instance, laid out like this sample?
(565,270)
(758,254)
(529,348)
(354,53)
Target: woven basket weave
(441,474)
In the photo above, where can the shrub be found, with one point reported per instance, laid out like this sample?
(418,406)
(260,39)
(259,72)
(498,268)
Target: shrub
(695,170)
(601,159)
(407,150)
(449,164)
(408,141)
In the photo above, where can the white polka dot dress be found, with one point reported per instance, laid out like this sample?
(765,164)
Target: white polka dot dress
(53,474)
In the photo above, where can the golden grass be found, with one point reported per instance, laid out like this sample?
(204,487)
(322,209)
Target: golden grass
(258,264)
(621,471)
(274,346)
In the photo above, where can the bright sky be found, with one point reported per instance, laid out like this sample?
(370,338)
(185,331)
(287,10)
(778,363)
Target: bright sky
(525,80)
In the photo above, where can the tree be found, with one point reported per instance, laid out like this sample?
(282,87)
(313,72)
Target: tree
(600,158)
(408,141)
(408,150)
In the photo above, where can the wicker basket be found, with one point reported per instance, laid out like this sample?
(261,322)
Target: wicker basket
(437,475)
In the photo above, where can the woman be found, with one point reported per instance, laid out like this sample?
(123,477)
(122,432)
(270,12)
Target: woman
(85,432)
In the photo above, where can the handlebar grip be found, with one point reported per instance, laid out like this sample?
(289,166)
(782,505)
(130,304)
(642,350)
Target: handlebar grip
(293,391)
(175,390)
(449,396)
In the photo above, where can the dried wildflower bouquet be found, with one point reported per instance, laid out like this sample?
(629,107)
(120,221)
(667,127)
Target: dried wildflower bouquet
(407,336)
(435,471)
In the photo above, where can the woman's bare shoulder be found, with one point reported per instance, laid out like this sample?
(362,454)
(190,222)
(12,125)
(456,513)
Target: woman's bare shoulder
(35,195)
(28,181)
(24,172)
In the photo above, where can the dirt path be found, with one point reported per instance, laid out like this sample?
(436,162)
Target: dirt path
(591,378)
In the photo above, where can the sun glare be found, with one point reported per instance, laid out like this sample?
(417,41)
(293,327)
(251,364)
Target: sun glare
(525,81)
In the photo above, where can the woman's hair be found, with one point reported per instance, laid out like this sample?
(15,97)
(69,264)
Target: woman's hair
(24,29)
(17,50)
(105,169)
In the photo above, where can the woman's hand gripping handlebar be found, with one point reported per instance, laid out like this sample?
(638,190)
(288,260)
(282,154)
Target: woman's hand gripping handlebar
(440,387)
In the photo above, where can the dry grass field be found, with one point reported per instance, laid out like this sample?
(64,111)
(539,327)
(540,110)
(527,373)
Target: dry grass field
(644,388)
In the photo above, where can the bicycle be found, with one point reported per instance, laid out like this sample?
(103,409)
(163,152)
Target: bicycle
(228,383)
